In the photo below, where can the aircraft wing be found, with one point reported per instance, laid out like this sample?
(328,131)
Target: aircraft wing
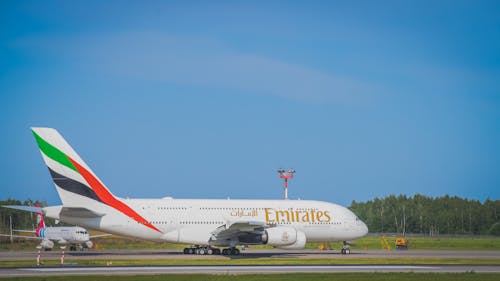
(22,230)
(21,236)
(236,230)
(99,235)
(24,208)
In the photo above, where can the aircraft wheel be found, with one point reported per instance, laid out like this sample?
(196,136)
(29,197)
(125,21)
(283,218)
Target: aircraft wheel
(225,252)
(190,251)
(235,252)
(210,251)
(186,251)
(216,251)
(201,251)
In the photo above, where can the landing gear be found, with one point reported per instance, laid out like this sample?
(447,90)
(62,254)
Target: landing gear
(235,251)
(345,251)
(345,248)
(209,250)
(230,251)
(203,250)
(72,248)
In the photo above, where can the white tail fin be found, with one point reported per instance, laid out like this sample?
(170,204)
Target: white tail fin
(76,184)
(71,175)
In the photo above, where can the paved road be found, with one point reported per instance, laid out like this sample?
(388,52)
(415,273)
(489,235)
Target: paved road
(273,253)
(144,270)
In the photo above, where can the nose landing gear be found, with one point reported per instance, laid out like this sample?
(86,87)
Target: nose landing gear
(345,248)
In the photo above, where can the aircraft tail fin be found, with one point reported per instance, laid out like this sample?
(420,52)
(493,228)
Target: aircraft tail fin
(71,175)
(77,185)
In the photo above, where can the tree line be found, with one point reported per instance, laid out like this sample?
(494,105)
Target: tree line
(429,215)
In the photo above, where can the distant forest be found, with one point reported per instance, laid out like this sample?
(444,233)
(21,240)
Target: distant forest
(417,214)
(428,215)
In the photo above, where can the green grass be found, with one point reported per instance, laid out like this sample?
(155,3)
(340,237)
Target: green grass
(431,243)
(365,243)
(281,277)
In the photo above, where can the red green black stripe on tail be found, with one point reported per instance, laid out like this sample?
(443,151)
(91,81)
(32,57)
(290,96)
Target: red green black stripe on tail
(94,190)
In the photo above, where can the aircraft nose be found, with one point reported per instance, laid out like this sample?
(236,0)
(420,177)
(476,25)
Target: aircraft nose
(364,229)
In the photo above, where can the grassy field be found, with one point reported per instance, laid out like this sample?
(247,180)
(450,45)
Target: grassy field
(279,277)
(431,243)
(366,243)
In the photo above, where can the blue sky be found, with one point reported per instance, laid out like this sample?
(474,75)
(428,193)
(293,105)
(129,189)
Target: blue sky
(207,99)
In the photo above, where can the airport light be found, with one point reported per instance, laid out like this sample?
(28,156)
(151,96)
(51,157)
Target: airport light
(285,176)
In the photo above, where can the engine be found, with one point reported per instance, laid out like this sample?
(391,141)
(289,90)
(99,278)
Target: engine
(46,244)
(300,242)
(279,236)
(88,244)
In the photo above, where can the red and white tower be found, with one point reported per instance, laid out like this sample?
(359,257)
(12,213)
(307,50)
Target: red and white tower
(286,175)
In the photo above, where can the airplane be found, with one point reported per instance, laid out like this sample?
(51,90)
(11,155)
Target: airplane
(207,224)
(74,236)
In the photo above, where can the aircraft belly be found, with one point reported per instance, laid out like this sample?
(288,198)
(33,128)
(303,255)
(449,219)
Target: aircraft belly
(171,236)
(199,235)
(316,233)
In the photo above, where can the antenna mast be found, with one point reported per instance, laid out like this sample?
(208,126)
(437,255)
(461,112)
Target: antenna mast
(286,175)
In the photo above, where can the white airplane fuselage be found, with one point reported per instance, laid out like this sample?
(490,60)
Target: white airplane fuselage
(192,221)
(65,234)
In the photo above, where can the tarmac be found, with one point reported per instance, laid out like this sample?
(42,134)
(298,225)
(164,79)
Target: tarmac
(242,269)
(268,253)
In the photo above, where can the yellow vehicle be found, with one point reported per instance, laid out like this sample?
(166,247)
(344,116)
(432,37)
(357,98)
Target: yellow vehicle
(401,243)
